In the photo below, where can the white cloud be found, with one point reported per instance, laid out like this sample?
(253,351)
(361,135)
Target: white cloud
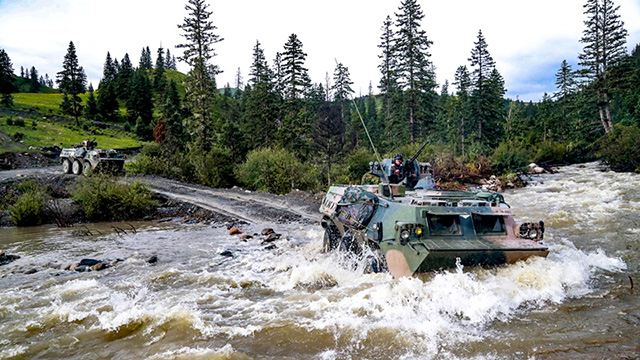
(522,36)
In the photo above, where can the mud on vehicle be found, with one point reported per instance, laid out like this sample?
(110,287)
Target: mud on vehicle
(84,158)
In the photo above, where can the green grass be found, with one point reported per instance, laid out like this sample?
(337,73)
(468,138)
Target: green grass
(49,133)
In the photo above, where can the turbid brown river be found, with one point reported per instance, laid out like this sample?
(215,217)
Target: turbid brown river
(295,302)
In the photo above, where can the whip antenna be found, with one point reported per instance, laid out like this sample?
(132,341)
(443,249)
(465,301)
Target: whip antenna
(375,151)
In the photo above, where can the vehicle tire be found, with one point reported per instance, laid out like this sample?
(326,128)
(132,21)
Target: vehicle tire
(66,166)
(77,167)
(348,243)
(331,238)
(86,168)
(376,262)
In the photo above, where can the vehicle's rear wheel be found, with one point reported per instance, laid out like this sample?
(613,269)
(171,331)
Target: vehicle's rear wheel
(66,166)
(86,168)
(77,167)
(376,262)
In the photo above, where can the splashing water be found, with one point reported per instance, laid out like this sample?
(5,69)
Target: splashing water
(296,302)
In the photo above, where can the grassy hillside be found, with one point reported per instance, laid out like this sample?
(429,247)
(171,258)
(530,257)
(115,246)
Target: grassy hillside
(47,133)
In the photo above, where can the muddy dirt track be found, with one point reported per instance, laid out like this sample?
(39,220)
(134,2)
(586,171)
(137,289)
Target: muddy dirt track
(249,206)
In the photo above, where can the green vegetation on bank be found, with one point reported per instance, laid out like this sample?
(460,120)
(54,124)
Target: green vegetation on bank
(104,199)
(28,203)
(39,132)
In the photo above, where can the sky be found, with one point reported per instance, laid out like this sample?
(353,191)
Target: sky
(527,39)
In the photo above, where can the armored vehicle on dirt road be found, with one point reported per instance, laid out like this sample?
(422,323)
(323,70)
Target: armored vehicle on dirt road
(85,157)
(412,227)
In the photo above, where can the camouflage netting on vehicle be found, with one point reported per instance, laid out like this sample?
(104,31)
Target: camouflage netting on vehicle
(357,206)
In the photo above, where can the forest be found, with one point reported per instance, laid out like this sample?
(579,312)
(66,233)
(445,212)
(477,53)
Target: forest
(282,131)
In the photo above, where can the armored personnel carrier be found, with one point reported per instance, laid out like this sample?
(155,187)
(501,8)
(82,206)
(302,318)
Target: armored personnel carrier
(412,226)
(85,157)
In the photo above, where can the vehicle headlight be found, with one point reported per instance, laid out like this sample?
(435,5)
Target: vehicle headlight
(418,231)
(404,234)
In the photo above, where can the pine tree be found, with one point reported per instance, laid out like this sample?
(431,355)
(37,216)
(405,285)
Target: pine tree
(414,69)
(6,79)
(169,130)
(388,81)
(125,72)
(170,61)
(159,79)
(139,102)
(34,83)
(21,71)
(91,107)
(107,102)
(481,97)
(565,81)
(604,38)
(462,112)
(262,107)
(295,75)
(198,31)
(145,59)
(341,92)
(239,84)
(71,82)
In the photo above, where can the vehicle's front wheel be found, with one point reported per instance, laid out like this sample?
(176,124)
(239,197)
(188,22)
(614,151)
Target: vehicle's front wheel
(331,238)
(66,166)
(77,167)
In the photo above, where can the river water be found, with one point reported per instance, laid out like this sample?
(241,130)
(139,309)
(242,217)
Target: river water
(297,303)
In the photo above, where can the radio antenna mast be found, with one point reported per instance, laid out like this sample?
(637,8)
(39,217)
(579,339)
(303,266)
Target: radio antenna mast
(375,151)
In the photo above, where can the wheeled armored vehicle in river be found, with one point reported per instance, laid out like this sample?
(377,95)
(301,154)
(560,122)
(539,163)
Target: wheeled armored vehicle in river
(85,157)
(412,227)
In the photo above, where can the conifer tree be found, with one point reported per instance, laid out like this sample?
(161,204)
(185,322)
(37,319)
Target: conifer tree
(91,107)
(107,102)
(169,130)
(159,79)
(262,107)
(125,72)
(198,31)
(604,38)
(139,102)
(462,111)
(145,59)
(413,67)
(388,81)
(295,75)
(34,83)
(71,82)
(6,79)
(565,81)
(21,71)
(482,96)
(342,90)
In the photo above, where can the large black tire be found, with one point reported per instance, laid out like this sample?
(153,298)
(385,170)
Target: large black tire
(348,243)
(77,167)
(66,166)
(376,262)
(331,238)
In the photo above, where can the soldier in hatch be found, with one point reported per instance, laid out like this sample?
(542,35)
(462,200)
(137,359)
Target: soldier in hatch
(397,169)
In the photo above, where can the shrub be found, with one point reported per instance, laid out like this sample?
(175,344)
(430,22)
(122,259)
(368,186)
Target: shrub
(550,151)
(18,122)
(277,171)
(620,150)
(10,121)
(34,124)
(28,209)
(103,199)
(18,136)
(509,157)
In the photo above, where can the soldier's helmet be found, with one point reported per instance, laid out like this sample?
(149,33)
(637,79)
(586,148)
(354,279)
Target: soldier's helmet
(397,156)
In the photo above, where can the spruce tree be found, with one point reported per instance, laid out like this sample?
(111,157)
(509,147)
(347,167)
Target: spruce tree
(462,111)
(262,106)
(565,81)
(107,102)
(481,97)
(160,79)
(413,68)
(145,59)
(169,130)
(91,107)
(295,75)
(604,38)
(71,82)
(6,79)
(342,91)
(125,72)
(198,32)
(388,81)
(34,83)
(139,102)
